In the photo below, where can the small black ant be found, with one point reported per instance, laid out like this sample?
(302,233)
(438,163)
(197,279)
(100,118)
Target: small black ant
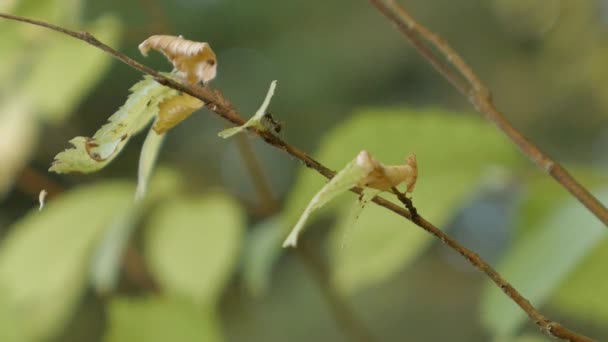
(268,120)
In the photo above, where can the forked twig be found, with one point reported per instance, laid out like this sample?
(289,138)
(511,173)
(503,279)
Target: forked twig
(215,101)
(464,79)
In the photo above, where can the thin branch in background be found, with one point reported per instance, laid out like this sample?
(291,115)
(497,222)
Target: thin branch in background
(340,309)
(466,81)
(215,102)
(267,203)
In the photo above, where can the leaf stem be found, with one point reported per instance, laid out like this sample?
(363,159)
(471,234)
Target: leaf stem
(216,102)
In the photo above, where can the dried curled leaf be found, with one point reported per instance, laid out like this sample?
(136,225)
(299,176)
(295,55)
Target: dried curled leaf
(364,171)
(92,154)
(196,61)
(383,177)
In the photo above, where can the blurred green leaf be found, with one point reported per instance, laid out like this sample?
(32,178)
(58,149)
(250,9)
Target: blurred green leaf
(452,151)
(44,260)
(583,295)
(539,262)
(262,247)
(66,69)
(373,250)
(156,319)
(107,261)
(19,132)
(192,245)
(67,12)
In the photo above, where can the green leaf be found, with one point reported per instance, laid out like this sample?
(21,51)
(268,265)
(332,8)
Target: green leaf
(538,263)
(92,154)
(44,259)
(256,120)
(147,159)
(583,294)
(19,132)
(105,266)
(66,69)
(107,261)
(345,179)
(156,319)
(192,245)
(453,150)
(376,248)
(262,247)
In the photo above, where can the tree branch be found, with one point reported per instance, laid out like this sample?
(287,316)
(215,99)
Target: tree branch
(467,83)
(215,102)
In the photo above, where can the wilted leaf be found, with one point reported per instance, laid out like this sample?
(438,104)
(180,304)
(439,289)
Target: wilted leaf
(537,264)
(175,110)
(195,61)
(156,319)
(451,162)
(91,154)
(43,262)
(192,245)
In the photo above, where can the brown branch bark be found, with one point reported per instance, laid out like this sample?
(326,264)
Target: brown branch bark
(464,79)
(215,102)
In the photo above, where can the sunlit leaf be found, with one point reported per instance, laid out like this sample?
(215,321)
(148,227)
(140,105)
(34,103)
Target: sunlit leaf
(583,295)
(256,119)
(91,154)
(537,264)
(450,162)
(43,262)
(156,319)
(192,245)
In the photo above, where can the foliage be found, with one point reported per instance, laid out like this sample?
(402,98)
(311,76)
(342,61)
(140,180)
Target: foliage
(192,234)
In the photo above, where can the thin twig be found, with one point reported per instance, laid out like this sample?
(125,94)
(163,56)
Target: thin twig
(267,203)
(215,101)
(467,82)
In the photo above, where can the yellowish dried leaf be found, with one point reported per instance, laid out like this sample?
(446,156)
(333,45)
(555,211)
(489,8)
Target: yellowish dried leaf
(175,110)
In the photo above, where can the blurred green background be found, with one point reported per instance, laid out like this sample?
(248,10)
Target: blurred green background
(200,259)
